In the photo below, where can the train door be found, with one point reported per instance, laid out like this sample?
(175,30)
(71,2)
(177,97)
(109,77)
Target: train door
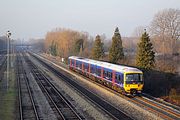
(119,79)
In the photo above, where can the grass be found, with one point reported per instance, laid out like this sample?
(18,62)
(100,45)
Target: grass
(7,108)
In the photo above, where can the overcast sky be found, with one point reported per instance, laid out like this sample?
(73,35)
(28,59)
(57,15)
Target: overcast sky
(34,18)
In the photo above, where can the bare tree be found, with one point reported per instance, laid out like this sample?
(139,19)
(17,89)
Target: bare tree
(166,25)
(66,40)
(138,31)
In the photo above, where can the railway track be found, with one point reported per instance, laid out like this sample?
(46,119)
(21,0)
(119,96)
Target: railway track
(164,111)
(104,105)
(161,110)
(161,101)
(27,106)
(59,104)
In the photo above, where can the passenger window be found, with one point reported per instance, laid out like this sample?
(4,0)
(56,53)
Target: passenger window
(105,74)
(109,74)
(91,69)
(121,79)
(117,78)
(87,66)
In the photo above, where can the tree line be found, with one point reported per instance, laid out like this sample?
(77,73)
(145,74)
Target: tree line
(154,48)
(66,42)
(164,34)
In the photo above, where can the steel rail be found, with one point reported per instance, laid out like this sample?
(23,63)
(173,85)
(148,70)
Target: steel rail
(166,114)
(101,103)
(21,110)
(36,72)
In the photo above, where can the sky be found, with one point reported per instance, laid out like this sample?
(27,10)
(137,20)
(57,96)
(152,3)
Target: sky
(28,19)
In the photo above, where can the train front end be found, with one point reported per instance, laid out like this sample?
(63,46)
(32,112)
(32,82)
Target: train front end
(133,83)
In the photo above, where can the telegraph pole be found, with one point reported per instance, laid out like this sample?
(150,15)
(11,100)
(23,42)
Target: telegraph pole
(8,34)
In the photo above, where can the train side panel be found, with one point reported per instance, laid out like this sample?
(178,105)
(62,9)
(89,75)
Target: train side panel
(107,76)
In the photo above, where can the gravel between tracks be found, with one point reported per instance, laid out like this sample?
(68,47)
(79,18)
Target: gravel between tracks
(82,105)
(133,110)
(44,108)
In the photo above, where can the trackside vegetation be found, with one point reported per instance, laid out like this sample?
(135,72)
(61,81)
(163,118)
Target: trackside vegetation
(53,48)
(97,50)
(116,50)
(155,51)
(145,57)
(8,99)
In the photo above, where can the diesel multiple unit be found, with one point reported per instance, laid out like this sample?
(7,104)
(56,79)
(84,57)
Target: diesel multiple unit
(128,80)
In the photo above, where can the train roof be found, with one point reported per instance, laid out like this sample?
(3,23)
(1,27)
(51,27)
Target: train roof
(118,68)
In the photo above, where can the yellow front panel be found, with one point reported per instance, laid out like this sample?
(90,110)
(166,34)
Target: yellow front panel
(133,86)
(127,87)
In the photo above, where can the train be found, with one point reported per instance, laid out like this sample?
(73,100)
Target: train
(124,79)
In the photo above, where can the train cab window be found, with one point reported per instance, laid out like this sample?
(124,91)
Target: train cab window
(134,78)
